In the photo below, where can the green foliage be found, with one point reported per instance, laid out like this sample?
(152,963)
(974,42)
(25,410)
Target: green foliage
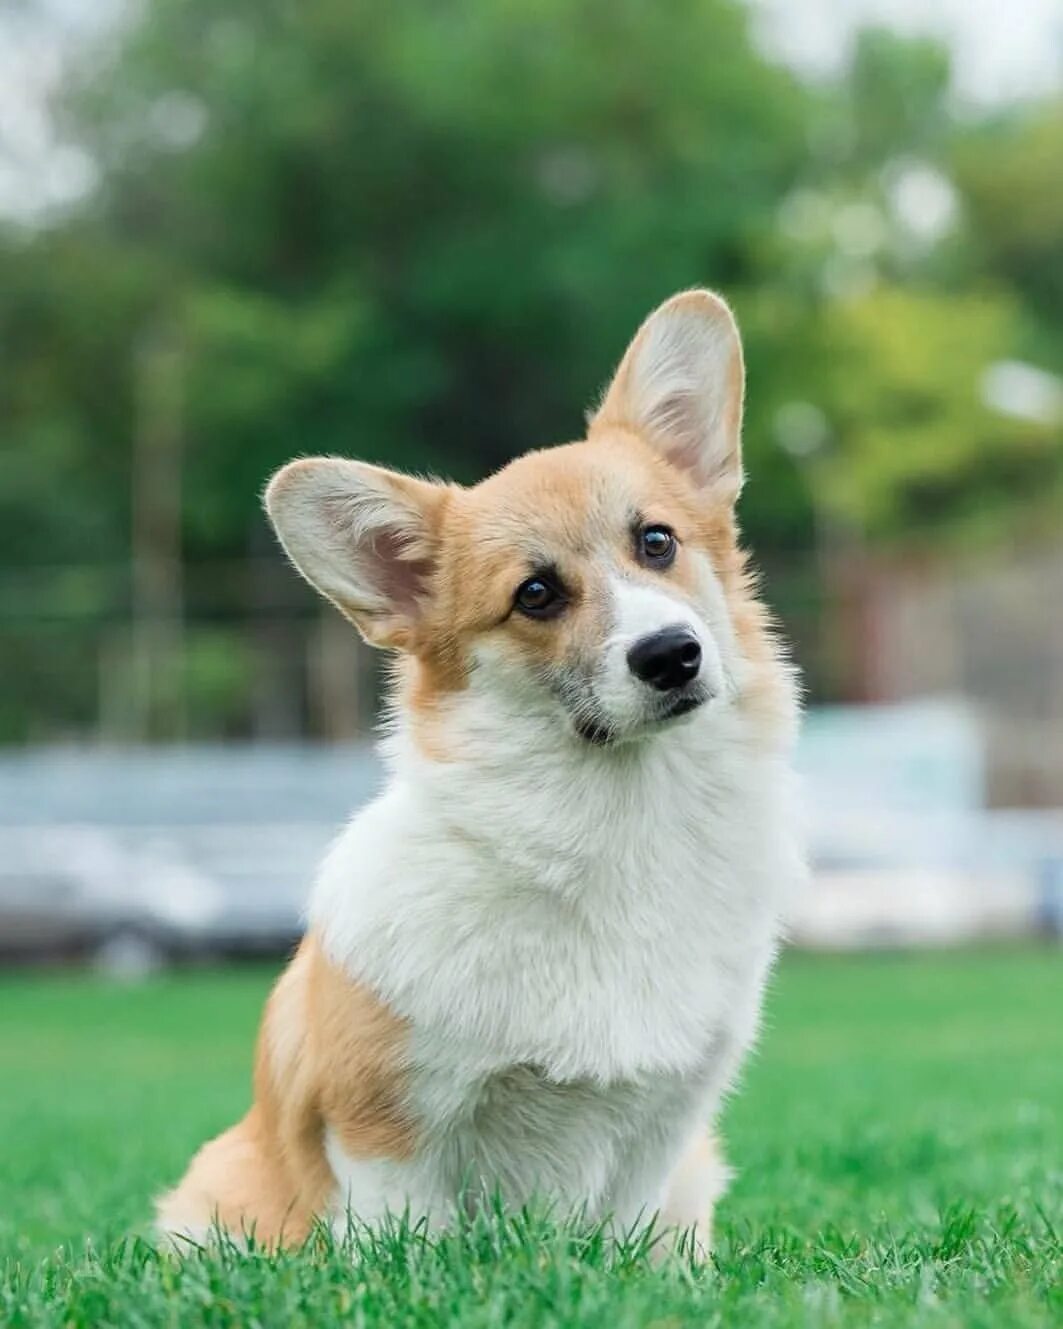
(1011,174)
(896,1140)
(897,96)
(422,233)
(916,448)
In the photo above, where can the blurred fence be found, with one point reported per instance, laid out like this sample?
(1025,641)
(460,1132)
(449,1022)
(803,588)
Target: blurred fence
(256,655)
(253,655)
(992,632)
(134,855)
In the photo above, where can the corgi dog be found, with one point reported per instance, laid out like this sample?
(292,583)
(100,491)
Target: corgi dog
(534,963)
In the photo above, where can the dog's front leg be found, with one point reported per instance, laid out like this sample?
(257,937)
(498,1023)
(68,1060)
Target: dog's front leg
(697,1181)
(676,1196)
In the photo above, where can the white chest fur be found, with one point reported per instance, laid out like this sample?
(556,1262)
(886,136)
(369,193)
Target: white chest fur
(579,940)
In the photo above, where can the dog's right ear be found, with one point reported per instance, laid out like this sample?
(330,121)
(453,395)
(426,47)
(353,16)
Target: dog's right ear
(366,537)
(680,386)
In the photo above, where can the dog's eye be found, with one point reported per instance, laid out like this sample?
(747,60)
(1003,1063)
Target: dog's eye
(538,598)
(657,545)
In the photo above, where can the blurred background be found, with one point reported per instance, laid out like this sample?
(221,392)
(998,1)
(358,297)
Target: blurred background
(422,233)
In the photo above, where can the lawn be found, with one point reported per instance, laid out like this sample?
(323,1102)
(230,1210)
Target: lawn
(898,1139)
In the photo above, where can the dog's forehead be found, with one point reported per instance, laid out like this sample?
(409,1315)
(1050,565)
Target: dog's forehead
(575,498)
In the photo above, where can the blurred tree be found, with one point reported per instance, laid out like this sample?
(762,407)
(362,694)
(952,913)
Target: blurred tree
(1011,175)
(916,449)
(422,233)
(897,96)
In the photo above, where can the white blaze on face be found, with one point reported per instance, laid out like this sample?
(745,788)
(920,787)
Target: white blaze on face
(638,611)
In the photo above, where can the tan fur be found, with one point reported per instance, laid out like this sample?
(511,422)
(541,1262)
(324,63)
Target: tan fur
(328,1054)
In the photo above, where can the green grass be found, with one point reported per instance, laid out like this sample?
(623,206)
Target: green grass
(898,1139)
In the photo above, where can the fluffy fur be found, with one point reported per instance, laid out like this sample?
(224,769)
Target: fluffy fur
(534,963)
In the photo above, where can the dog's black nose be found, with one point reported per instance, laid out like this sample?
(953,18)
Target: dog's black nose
(666,659)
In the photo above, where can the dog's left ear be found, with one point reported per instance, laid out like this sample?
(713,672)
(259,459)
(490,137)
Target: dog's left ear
(366,537)
(680,387)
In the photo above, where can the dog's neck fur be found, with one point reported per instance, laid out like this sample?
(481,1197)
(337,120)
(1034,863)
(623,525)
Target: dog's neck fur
(605,898)
(563,813)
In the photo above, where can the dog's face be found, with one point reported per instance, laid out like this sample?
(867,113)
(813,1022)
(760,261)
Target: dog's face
(598,582)
(581,575)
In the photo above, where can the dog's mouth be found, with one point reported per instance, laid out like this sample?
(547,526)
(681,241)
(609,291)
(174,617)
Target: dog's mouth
(601,734)
(591,731)
(684,705)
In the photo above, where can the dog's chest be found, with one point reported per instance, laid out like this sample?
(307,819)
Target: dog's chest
(518,1134)
(612,947)
(576,999)
(524,1133)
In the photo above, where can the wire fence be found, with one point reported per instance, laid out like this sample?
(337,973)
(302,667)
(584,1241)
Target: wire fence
(253,654)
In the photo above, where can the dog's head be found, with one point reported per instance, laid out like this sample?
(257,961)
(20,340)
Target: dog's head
(597,586)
